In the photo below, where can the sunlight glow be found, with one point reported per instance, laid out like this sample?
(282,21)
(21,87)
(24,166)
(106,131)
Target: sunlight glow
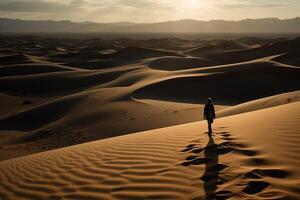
(190,4)
(147,10)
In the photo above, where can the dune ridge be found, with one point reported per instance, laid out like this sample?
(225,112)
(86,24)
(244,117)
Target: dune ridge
(263,103)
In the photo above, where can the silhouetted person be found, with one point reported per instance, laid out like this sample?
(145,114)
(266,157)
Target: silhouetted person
(209,114)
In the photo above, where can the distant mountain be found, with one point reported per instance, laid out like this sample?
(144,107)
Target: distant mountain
(266,25)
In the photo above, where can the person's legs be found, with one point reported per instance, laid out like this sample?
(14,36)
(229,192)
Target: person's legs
(209,127)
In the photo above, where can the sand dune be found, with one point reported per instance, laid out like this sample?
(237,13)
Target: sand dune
(258,104)
(82,115)
(132,53)
(228,85)
(39,116)
(172,44)
(179,63)
(254,53)
(11,105)
(259,42)
(31,68)
(98,60)
(179,162)
(14,59)
(291,58)
(57,83)
(66,91)
(100,63)
(216,47)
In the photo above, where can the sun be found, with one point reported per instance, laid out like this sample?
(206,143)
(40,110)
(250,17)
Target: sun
(191,3)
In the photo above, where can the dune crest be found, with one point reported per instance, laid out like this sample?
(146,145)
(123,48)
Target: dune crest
(263,103)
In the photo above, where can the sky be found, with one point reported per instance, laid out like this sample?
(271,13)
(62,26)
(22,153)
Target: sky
(147,11)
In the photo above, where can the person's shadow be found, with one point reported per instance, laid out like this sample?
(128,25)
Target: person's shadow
(211,173)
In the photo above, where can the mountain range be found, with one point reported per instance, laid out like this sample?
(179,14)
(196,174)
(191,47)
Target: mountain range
(265,25)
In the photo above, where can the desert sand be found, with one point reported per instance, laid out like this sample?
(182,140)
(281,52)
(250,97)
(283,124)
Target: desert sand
(122,118)
(253,155)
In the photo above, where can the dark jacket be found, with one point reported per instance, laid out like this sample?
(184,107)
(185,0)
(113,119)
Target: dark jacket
(209,111)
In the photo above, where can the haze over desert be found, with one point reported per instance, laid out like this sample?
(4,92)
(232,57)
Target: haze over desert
(133,106)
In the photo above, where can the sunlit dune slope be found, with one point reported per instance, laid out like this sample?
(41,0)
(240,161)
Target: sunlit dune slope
(263,103)
(250,156)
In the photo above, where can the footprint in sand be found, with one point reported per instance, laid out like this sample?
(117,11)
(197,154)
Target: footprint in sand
(254,187)
(274,173)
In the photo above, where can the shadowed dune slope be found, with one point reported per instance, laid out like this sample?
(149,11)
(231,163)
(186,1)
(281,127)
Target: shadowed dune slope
(30,68)
(40,115)
(58,83)
(229,85)
(96,60)
(178,162)
(99,63)
(132,53)
(173,44)
(256,41)
(19,58)
(255,53)
(291,58)
(179,63)
(215,47)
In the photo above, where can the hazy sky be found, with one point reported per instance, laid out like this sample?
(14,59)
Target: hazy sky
(147,10)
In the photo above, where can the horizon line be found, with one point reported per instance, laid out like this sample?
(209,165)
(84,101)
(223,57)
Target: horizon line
(191,19)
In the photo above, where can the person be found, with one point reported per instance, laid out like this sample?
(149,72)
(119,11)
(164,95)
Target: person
(209,114)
